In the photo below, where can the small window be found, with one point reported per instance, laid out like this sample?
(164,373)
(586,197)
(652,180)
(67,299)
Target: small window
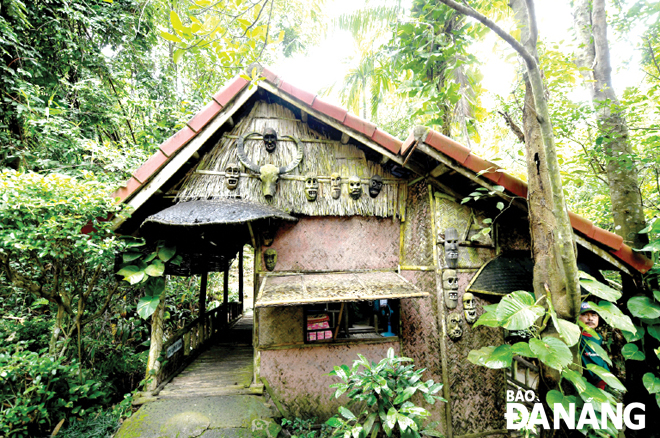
(330,322)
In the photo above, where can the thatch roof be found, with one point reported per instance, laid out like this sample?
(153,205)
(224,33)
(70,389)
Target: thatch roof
(216,212)
(294,290)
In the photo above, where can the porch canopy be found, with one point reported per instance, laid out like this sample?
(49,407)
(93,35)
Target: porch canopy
(297,289)
(209,233)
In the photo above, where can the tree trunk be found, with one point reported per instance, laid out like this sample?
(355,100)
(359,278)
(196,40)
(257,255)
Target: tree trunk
(153,365)
(594,56)
(57,330)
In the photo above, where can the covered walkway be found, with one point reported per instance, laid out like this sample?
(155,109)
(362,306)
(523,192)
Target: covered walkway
(212,397)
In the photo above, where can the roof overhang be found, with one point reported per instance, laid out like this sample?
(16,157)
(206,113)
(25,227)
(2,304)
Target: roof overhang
(298,289)
(216,212)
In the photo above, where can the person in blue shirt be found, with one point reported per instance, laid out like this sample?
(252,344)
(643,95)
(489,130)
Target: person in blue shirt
(589,356)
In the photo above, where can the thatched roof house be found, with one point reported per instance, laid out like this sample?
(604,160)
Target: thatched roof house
(361,240)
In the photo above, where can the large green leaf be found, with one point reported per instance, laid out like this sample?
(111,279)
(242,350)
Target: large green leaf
(639,334)
(518,311)
(614,317)
(576,379)
(551,351)
(654,330)
(130,256)
(569,331)
(555,397)
(489,319)
(155,269)
(596,396)
(492,357)
(166,252)
(522,349)
(643,307)
(597,288)
(651,383)
(147,306)
(133,274)
(154,286)
(600,351)
(607,376)
(346,413)
(631,352)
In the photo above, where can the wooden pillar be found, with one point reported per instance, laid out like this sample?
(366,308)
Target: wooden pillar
(225,297)
(202,303)
(240,280)
(153,365)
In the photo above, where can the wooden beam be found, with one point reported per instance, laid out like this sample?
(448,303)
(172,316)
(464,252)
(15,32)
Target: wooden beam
(441,169)
(344,138)
(202,295)
(225,297)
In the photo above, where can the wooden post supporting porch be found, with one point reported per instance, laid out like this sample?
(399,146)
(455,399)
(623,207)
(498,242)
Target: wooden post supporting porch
(225,297)
(202,303)
(240,279)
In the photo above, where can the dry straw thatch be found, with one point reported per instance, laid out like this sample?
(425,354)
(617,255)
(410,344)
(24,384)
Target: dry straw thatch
(322,157)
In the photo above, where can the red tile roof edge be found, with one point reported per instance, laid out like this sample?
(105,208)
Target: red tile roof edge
(464,157)
(340,114)
(173,144)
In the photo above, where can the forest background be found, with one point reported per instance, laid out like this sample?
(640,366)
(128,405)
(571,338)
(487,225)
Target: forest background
(90,88)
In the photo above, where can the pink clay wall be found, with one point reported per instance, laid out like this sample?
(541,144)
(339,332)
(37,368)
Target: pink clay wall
(337,243)
(297,375)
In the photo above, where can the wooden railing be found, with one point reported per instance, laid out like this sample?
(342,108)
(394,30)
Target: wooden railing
(186,343)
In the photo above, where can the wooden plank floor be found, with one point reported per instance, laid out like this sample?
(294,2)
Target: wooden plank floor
(226,368)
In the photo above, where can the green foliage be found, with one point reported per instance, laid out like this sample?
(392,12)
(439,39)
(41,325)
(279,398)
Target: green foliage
(147,269)
(38,390)
(386,389)
(299,428)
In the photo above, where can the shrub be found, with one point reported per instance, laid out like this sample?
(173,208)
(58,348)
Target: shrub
(37,390)
(386,389)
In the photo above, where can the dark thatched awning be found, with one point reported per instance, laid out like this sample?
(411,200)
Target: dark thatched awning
(216,212)
(513,271)
(294,290)
(209,234)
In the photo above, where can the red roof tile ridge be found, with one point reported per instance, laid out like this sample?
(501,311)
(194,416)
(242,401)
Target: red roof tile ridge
(467,159)
(341,114)
(174,143)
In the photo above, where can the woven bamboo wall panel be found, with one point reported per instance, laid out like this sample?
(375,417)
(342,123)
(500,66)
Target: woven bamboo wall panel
(421,337)
(478,398)
(418,237)
(280,325)
(337,243)
(321,158)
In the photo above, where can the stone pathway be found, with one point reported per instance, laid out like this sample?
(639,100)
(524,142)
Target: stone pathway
(211,398)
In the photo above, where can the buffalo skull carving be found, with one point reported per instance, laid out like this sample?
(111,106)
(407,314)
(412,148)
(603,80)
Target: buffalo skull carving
(268,173)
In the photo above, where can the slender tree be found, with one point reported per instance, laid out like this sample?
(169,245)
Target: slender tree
(593,58)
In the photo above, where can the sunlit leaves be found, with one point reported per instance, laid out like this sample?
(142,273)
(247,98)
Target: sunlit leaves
(518,311)
(492,357)
(610,313)
(552,352)
(651,383)
(632,352)
(597,288)
(643,307)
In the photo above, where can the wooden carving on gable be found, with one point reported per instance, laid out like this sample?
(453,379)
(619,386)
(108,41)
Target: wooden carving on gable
(272,157)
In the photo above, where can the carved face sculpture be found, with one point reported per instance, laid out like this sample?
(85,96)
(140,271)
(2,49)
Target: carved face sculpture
(454,329)
(470,308)
(270,139)
(270,259)
(335,186)
(232,174)
(375,184)
(354,187)
(268,235)
(450,288)
(451,247)
(311,188)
